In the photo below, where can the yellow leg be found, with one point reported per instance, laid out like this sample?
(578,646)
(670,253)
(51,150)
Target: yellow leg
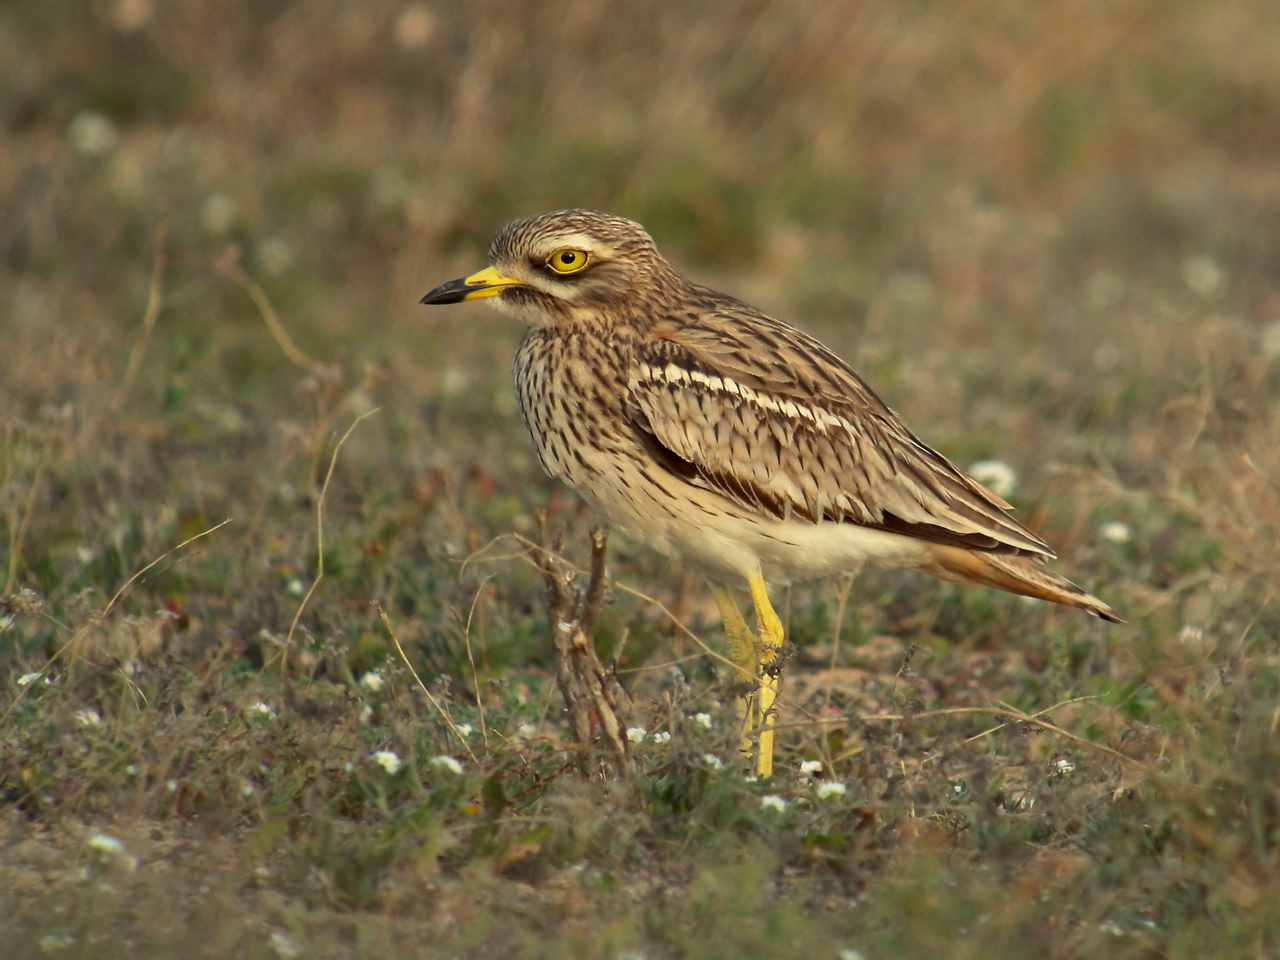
(742,652)
(770,649)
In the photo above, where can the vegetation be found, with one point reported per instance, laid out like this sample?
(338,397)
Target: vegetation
(269,694)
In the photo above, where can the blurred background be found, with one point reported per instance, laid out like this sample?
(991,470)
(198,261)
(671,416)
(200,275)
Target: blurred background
(1046,233)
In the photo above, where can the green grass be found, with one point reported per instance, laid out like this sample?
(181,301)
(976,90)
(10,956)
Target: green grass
(1045,234)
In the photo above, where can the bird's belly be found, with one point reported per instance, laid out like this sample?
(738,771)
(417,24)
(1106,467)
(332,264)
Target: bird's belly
(787,551)
(797,550)
(705,531)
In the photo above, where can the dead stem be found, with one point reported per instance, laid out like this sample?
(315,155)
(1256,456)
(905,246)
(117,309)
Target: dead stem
(150,315)
(589,690)
(230,265)
(324,490)
(422,686)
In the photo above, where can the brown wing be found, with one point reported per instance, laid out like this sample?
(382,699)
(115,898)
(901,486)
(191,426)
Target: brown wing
(767,416)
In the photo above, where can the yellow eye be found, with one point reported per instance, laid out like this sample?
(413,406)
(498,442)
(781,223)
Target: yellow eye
(568,260)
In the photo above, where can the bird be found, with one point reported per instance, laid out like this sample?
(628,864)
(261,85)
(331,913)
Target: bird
(730,440)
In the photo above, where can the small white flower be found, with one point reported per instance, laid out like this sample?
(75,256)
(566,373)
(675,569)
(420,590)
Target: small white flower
(131,770)
(1191,634)
(172,786)
(262,711)
(636,734)
(372,681)
(283,946)
(219,213)
(88,718)
(830,789)
(296,587)
(996,475)
(811,766)
(704,719)
(28,678)
(246,790)
(387,760)
(1115,532)
(366,713)
(446,763)
(104,844)
(1203,276)
(1064,765)
(465,729)
(526,731)
(957,789)
(662,736)
(92,133)
(111,849)
(712,761)
(773,802)
(848,953)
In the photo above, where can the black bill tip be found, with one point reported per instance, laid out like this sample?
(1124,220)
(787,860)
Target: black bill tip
(455,291)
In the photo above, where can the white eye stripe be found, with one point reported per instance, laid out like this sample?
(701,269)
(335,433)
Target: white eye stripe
(579,242)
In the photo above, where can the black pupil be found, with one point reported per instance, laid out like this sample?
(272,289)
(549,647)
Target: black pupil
(568,257)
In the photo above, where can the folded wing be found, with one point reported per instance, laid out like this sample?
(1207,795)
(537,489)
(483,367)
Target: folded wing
(770,418)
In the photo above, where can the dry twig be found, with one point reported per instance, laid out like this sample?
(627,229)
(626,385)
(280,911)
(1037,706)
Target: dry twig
(230,265)
(587,687)
(444,713)
(324,491)
(155,299)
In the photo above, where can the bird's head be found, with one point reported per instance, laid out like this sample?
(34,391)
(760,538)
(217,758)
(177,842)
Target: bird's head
(562,267)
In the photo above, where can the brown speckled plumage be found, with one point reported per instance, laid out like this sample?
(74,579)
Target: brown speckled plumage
(725,437)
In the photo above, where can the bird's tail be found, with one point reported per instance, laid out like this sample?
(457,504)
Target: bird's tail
(1016,574)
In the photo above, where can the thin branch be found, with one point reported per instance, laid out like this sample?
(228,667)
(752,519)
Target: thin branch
(595,589)
(664,666)
(136,576)
(1038,713)
(324,490)
(1006,712)
(230,265)
(414,673)
(149,317)
(663,609)
(475,677)
(20,535)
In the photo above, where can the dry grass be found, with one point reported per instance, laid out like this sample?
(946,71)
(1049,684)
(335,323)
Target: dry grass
(1046,233)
